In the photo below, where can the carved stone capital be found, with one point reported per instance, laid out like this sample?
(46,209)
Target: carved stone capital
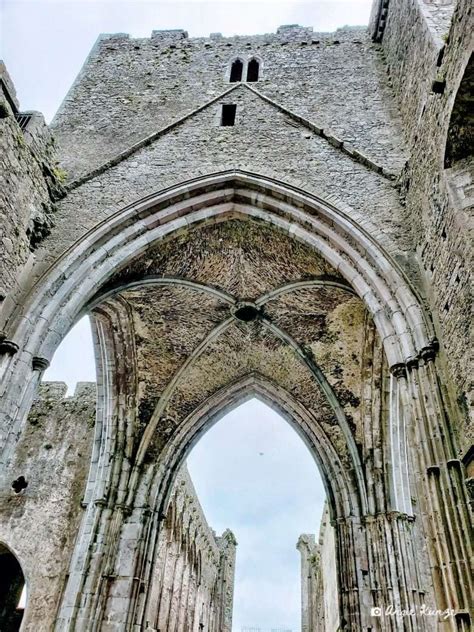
(428,354)
(398,370)
(412,363)
(470,488)
(125,509)
(7,347)
(40,364)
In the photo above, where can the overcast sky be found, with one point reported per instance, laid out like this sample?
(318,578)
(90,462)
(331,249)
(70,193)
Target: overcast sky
(267,499)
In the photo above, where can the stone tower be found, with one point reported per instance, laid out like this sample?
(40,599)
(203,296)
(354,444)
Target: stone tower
(285,216)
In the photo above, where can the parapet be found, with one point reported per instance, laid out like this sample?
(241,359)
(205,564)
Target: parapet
(285,34)
(169,36)
(295,31)
(56,391)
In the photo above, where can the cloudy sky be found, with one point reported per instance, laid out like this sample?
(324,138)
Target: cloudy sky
(251,470)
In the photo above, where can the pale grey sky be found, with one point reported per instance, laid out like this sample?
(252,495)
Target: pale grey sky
(254,474)
(269,499)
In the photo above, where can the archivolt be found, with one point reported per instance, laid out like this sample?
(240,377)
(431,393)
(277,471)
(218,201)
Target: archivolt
(75,276)
(57,299)
(345,489)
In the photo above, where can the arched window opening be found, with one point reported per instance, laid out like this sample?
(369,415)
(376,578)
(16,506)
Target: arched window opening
(12,591)
(253,69)
(460,139)
(236,71)
(73,360)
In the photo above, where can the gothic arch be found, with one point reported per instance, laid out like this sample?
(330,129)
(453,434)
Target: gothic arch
(337,481)
(365,264)
(79,281)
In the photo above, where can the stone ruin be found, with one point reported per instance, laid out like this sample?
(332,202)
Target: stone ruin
(286,216)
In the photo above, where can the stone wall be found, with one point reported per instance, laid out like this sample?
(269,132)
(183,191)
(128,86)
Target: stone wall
(193,576)
(427,68)
(194,569)
(130,88)
(30,182)
(319,584)
(40,523)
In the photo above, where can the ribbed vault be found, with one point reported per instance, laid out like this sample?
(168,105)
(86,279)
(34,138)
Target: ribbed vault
(224,287)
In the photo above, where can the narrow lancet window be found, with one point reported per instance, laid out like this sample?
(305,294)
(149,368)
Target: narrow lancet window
(236,71)
(252,70)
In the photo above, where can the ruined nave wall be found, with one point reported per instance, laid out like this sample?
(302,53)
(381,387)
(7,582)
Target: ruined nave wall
(193,576)
(319,588)
(30,181)
(40,523)
(427,47)
(194,568)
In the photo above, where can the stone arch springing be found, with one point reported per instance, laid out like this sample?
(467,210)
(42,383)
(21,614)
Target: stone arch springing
(12,585)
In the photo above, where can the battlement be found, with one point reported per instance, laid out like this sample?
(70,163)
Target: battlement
(170,35)
(56,391)
(285,34)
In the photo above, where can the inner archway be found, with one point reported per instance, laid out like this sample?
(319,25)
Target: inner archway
(254,475)
(323,323)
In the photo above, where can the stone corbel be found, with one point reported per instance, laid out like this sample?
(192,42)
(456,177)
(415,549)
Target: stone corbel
(40,364)
(7,347)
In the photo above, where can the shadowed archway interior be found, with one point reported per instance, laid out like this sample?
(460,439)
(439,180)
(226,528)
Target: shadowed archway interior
(12,585)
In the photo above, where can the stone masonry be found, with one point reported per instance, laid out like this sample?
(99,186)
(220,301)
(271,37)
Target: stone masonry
(194,569)
(31,181)
(319,592)
(286,216)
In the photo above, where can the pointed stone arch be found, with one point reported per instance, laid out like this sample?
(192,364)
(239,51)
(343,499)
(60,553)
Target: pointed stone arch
(78,281)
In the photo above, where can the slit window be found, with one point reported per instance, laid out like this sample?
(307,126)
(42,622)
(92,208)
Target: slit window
(253,70)
(236,71)
(228,115)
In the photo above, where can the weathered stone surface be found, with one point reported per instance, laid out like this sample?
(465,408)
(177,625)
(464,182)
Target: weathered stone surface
(30,182)
(156,81)
(439,201)
(319,590)
(40,523)
(314,254)
(193,575)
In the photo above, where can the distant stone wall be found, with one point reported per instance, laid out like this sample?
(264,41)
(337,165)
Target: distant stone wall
(319,589)
(40,523)
(30,181)
(193,577)
(428,72)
